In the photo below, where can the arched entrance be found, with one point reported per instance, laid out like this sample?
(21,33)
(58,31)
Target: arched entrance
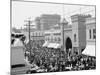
(68,44)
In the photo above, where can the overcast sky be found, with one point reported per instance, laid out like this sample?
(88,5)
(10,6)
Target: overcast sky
(23,10)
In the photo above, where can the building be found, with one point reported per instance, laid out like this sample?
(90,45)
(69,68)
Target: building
(91,30)
(49,20)
(90,37)
(14,30)
(37,35)
(79,32)
(75,36)
(53,36)
(25,31)
(38,23)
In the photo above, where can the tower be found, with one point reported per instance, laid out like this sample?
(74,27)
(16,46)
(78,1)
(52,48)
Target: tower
(63,24)
(78,32)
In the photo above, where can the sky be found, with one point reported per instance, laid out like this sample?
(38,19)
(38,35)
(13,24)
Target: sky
(22,11)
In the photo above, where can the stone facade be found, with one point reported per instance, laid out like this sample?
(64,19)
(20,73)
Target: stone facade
(79,32)
(75,36)
(90,31)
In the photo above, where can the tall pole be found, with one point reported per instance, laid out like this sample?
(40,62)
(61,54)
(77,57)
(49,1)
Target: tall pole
(63,33)
(29,25)
(63,26)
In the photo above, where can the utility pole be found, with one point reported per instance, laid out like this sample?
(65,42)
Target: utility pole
(63,23)
(29,22)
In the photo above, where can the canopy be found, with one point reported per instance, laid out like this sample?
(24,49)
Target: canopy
(45,44)
(53,45)
(89,50)
(57,45)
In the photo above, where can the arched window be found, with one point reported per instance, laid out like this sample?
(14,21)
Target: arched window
(94,33)
(90,33)
(74,37)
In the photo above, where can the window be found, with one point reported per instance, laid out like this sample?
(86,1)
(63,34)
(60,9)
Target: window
(74,37)
(48,39)
(51,39)
(42,34)
(90,33)
(94,34)
(47,34)
(55,39)
(59,39)
(38,33)
(35,34)
(57,33)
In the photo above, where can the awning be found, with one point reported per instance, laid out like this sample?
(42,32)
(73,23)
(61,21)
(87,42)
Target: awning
(45,44)
(57,45)
(89,50)
(54,45)
(51,45)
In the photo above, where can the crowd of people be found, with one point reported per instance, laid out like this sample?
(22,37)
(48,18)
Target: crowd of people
(56,60)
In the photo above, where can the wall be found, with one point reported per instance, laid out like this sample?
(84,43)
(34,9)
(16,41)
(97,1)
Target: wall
(90,24)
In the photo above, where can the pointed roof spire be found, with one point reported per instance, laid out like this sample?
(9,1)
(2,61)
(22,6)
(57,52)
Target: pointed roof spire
(64,21)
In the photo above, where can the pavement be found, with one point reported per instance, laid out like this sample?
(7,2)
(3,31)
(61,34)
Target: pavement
(20,70)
